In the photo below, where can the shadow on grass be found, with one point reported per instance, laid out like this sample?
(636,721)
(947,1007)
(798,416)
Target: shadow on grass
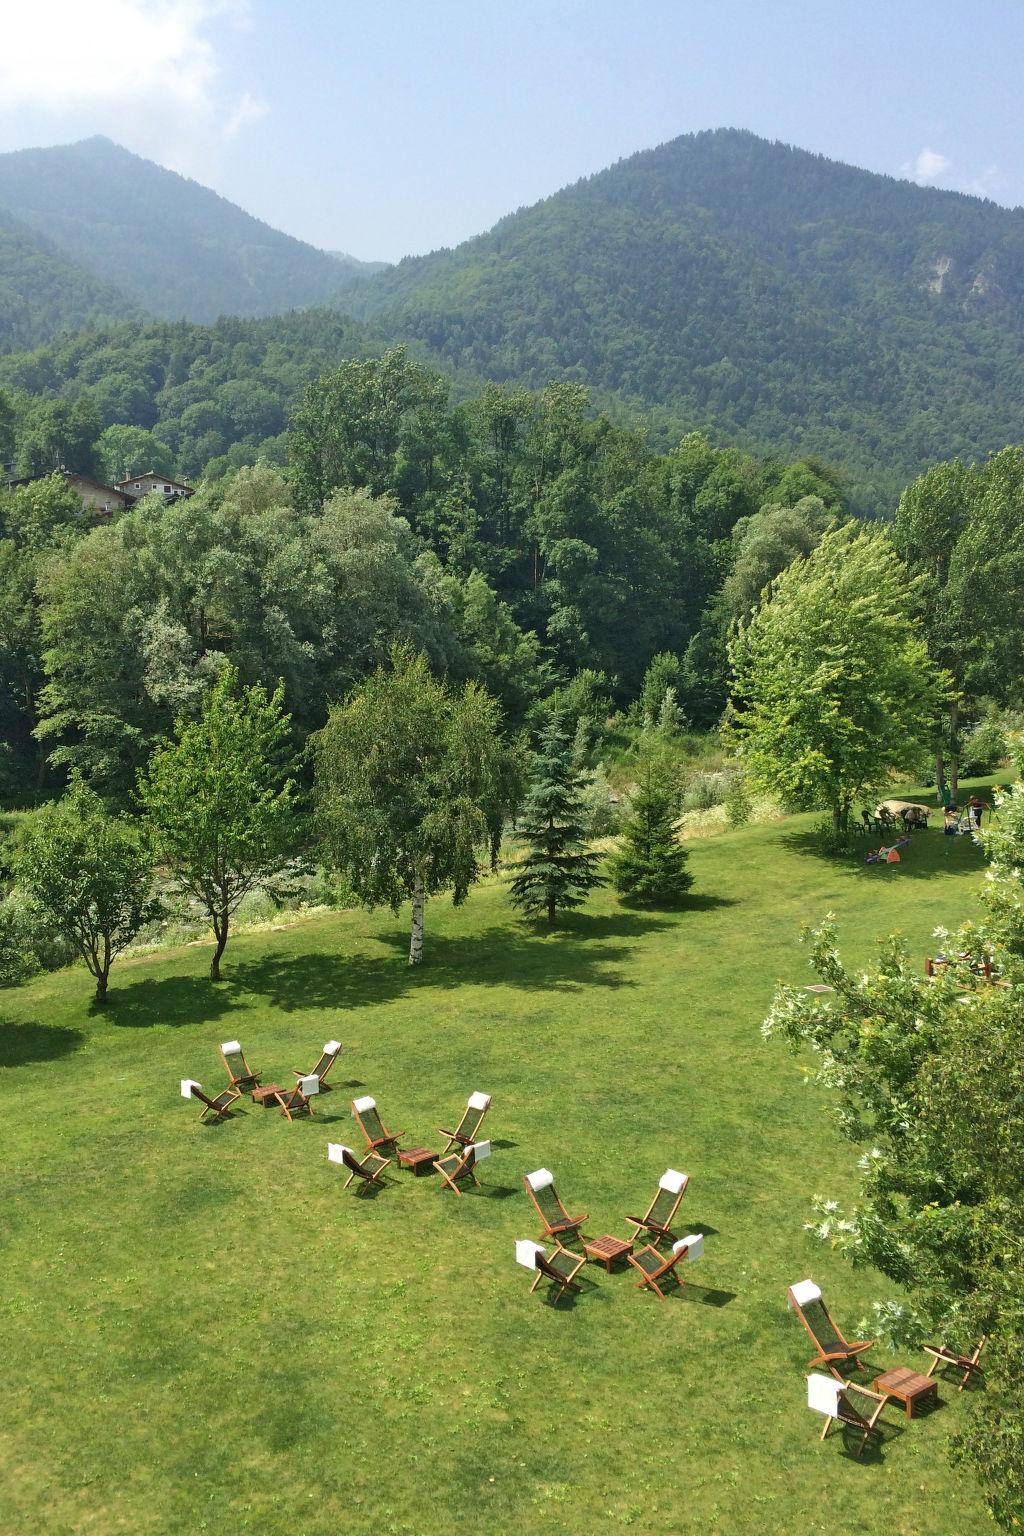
(166,1000)
(498,1191)
(695,901)
(22,1043)
(926,856)
(706,1295)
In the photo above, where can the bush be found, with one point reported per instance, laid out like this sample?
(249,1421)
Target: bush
(602,815)
(738,806)
(706,790)
(985,745)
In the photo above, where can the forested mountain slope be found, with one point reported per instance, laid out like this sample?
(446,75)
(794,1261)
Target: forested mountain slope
(173,247)
(777,296)
(43,293)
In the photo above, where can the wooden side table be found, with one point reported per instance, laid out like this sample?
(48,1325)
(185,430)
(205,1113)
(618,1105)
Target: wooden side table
(418,1159)
(907,1387)
(267,1096)
(605,1250)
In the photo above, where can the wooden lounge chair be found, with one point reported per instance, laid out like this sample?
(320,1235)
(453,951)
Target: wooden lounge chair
(656,1268)
(832,1398)
(460,1165)
(372,1126)
(219,1108)
(328,1056)
(540,1186)
(369,1172)
(468,1128)
(831,1346)
(298,1100)
(660,1214)
(239,1072)
(561,1269)
(941,1356)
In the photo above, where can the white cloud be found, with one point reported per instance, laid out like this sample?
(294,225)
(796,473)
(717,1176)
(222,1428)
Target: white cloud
(139,70)
(927,165)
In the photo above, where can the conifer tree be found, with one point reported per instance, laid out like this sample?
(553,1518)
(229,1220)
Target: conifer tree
(649,866)
(558,869)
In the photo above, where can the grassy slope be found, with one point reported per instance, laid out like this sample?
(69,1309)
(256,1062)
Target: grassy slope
(206,1327)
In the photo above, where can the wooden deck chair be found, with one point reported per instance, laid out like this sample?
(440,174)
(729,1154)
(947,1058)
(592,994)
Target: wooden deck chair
(328,1057)
(656,1268)
(941,1356)
(831,1346)
(298,1100)
(239,1072)
(468,1128)
(372,1126)
(832,1398)
(461,1165)
(540,1186)
(561,1269)
(219,1108)
(661,1212)
(369,1172)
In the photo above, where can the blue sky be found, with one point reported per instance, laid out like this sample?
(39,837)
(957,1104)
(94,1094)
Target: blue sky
(395,126)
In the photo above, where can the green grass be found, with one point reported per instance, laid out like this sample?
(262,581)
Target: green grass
(203,1331)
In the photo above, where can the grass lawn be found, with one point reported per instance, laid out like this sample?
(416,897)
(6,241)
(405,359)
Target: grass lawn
(203,1331)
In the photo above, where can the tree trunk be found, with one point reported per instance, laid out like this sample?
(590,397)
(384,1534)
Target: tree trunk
(220,929)
(416,936)
(552,910)
(837,823)
(101,970)
(101,986)
(954,751)
(940,775)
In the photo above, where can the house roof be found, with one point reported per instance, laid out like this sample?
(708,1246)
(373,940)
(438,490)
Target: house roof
(151,474)
(97,485)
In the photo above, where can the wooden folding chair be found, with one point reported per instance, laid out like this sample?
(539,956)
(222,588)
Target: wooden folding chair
(461,1165)
(468,1128)
(239,1072)
(219,1108)
(659,1215)
(656,1268)
(831,1346)
(328,1056)
(561,1269)
(298,1100)
(540,1186)
(827,1395)
(369,1172)
(372,1126)
(941,1356)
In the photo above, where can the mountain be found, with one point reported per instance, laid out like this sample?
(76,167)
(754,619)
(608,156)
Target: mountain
(778,297)
(356,267)
(171,246)
(42,293)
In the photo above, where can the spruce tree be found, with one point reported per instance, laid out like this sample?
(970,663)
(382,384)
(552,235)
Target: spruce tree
(649,866)
(558,869)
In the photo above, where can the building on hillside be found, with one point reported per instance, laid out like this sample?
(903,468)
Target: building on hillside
(137,486)
(97,497)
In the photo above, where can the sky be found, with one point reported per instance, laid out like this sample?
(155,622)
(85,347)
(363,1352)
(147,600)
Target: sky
(391,127)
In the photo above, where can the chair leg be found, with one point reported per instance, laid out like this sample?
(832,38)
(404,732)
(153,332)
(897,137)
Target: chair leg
(828,1426)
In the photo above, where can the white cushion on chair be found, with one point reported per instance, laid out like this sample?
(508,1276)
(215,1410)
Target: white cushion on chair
(336,1152)
(332,1047)
(309,1085)
(803,1292)
(231,1048)
(479,1101)
(541,1179)
(694,1245)
(526,1253)
(480,1149)
(823,1394)
(187,1084)
(672,1181)
(360,1104)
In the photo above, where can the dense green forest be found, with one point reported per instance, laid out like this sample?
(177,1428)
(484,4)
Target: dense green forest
(169,246)
(43,293)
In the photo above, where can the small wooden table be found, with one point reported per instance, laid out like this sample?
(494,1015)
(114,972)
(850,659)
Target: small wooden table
(267,1095)
(418,1159)
(907,1387)
(605,1250)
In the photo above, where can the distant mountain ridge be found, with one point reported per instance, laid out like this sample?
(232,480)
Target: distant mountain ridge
(171,247)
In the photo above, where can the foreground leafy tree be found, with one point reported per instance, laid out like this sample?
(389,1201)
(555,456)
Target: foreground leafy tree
(88,876)
(411,781)
(557,870)
(220,804)
(649,866)
(833,682)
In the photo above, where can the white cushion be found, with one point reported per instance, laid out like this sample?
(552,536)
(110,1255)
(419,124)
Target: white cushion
(823,1394)
(231,1048)
(360,1104)
(694,1245)
(187,1084)
(479,1101)
(803,1292)
(541,1179)
(526,1253)
(332,1047)
(336,1152)
(481,1149)
(309,1085)
(672,1181)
